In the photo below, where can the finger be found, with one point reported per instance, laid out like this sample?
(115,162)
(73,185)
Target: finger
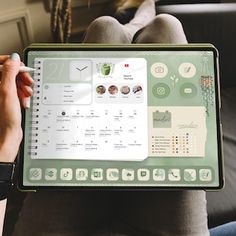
(26,78)
(24,88)
(23,99)
(10,69)
(3,58)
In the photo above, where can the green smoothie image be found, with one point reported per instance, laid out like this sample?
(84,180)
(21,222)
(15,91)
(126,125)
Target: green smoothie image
(105,69)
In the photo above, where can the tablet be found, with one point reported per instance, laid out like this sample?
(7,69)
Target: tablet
(122,117)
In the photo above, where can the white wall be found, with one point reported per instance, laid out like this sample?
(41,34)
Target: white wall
(25,21)
(21,23)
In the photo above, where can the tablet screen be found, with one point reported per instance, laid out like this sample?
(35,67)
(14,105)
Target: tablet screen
(131,117)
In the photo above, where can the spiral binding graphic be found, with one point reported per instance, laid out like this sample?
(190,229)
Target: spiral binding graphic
(34,123)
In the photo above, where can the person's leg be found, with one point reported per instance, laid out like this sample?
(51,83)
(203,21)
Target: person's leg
(143,16)
(63,214)
(165,213)
(163,29)
(107,29)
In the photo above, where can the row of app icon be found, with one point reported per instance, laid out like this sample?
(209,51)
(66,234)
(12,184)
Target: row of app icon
(127,174)
(162,90)
(186,70)
(125,89)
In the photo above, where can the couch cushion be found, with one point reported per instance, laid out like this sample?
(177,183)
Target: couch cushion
(222,204)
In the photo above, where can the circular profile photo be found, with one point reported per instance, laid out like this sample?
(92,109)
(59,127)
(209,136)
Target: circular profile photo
(100,89)
(137,90)
(113,90)
(125,90)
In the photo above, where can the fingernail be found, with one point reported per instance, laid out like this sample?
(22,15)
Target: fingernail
(27,104)
(15,57)
(32,81)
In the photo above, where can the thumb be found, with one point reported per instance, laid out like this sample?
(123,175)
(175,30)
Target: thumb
(10,70)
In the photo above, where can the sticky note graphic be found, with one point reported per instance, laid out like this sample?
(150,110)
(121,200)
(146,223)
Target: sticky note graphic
(161,119)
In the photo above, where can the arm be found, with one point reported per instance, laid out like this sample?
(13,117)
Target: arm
(2,213)
(12,93)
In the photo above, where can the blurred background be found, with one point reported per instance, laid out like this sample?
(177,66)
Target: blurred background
(26,21)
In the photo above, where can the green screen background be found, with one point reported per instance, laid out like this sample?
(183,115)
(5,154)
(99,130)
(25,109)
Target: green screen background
(172,59)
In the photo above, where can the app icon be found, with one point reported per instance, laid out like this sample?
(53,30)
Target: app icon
(97,174)
(190,175)
(112,174)
(51,174)
(81,174)
(174,175)
(143,174)
(66,174)
(128,174)
(205,175)
(159,70)
(188,90)
(161,90)
(187,70)
(159,174)
(35,174)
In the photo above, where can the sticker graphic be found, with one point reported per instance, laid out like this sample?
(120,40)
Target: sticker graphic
(207,85)
(105,69)
(161,119)
(175,80)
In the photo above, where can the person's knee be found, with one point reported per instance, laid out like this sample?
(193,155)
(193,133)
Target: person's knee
(104,22)
(166,19)
(167,22)
(105,29)
(170,28)
(165,28)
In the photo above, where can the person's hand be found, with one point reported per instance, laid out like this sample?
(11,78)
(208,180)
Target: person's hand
(14,90)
